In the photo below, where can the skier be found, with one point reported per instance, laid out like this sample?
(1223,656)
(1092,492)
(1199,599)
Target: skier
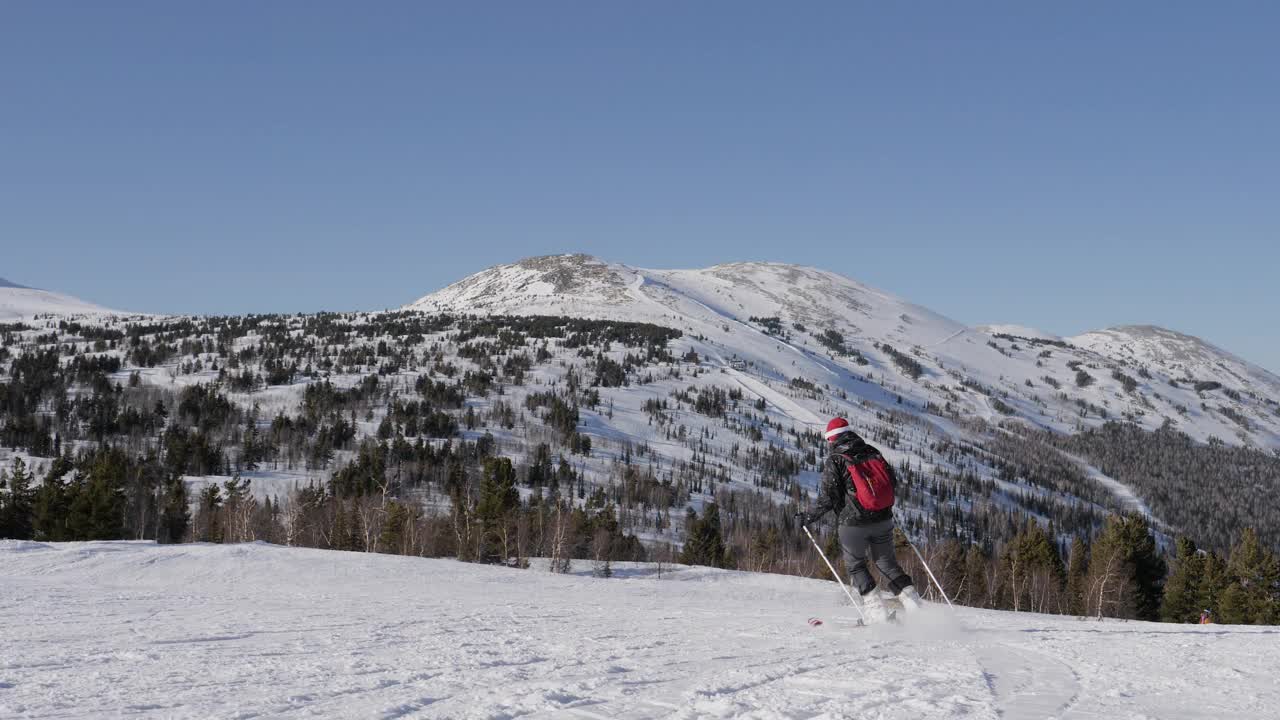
(862,530)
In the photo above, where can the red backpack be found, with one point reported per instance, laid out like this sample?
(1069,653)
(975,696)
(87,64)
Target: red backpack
(872,481)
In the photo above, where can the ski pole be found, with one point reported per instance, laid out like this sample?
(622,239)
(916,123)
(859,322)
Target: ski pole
(931,577)
(856,605)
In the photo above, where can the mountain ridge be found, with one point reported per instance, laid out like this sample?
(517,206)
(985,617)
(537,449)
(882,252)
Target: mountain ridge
(725,400)
(557,273)
(792,323)
(18,302)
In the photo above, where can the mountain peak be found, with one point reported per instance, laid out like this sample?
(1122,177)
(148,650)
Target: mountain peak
(534,284)
(1171,344)
(561,260)
(702,302)
(568,273)
(1180,355)
(1021,331)
(6,284)
(1152,331)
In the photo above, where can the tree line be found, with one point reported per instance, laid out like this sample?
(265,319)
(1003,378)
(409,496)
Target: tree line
(1120,573)
(117,450)
(105,494)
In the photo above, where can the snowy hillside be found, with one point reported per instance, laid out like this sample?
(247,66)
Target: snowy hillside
(719,398)
(198,631)
(1018,331)
(785,322)
(1182,357)
(18,302)
(583,286)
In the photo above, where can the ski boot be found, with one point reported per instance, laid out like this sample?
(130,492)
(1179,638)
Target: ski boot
(910,599)
(873,608)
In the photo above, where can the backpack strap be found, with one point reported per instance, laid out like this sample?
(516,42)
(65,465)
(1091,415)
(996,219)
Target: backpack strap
(866,453)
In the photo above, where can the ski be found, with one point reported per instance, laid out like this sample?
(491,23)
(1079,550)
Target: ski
(818,622)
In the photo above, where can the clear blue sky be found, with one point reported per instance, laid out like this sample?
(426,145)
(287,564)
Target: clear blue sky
(1061,165)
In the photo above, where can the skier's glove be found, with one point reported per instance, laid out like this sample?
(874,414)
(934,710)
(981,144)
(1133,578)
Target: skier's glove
(804,518)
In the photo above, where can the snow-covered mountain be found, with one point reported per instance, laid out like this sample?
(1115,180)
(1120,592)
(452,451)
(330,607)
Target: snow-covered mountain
(765,354)
(107,629)
(1018,331)
(1180,356)
(18,302)
(791,324)
(583,286)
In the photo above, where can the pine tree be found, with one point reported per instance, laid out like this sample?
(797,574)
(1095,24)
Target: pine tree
(974,589)
(1110,588)
(175,515)
(79,522)
(1251,597)
(540,470)
(1214,579)
(103,496)
(1182,587)
(498,500)
(1234,605)
(252,442)
(209,514)
(705,543)
(764,549)
(17,504)
(53,504)
(356,528)
(1033,570)
(340,534)
(1149,568)
(395,529)
(1077,577)
(1129,537)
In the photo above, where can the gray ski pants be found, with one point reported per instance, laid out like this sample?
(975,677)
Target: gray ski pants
(858,541)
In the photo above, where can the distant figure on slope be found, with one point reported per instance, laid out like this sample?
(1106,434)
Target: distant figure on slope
(857,484)
(1206,618)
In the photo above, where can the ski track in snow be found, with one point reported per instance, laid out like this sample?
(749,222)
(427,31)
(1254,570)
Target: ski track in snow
(1119,490)
(134,629)
(1029,683)
(950,337)
(789,407)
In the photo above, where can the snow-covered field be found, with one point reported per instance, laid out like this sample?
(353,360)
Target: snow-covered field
(120,629)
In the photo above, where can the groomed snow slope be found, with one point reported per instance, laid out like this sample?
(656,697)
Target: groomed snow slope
(138,630)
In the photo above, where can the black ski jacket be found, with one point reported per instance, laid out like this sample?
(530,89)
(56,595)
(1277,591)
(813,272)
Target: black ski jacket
(836,493)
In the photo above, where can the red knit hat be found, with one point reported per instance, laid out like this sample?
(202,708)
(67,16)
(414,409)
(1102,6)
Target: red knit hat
(836,428)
